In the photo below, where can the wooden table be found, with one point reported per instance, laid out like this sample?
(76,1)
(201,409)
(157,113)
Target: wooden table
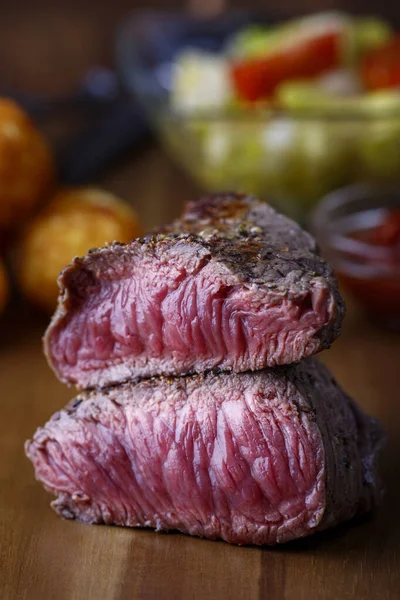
(43,557)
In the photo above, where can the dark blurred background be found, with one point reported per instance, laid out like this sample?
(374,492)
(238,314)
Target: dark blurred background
(59,40)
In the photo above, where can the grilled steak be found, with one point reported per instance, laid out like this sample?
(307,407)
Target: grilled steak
(231,285)
(252,458)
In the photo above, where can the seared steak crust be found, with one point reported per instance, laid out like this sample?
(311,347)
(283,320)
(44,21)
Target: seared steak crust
(231,285)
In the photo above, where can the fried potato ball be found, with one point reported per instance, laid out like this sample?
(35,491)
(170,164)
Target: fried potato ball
(26,165)
(3,287)
(76,220)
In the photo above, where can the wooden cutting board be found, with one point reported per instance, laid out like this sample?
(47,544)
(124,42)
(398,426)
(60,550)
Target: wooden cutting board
(43,557)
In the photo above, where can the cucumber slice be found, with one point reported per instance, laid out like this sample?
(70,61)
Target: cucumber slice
(370,33)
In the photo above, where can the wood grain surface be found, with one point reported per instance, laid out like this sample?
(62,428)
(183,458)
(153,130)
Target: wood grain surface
(43,557)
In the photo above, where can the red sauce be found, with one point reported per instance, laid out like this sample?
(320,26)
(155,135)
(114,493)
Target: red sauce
(386,234)
(379,287)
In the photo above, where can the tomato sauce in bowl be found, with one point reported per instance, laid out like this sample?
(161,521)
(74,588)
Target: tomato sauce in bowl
(358,229)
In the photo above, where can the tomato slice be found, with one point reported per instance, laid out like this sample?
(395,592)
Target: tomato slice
(380,68)
(258,78)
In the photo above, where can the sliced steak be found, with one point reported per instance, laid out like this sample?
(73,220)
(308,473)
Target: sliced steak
(231,285)
(252,458)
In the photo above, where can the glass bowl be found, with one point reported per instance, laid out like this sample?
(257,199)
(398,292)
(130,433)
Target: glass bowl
(290,158)
(348,225)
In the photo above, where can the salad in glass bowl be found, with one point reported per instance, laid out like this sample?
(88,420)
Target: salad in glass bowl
(287,111)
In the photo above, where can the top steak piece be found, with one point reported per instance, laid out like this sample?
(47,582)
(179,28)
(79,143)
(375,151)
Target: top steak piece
(231,285)
(252,458)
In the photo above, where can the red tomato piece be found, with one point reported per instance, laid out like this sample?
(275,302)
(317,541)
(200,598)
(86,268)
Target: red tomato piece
(380,68)
(258,78)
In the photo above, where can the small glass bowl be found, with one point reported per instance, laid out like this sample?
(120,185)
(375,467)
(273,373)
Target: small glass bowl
(368,271)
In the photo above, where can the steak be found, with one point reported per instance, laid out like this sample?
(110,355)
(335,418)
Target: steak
(231,285)
(252,458)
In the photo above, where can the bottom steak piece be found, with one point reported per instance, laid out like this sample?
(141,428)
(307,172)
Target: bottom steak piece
(252,458)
